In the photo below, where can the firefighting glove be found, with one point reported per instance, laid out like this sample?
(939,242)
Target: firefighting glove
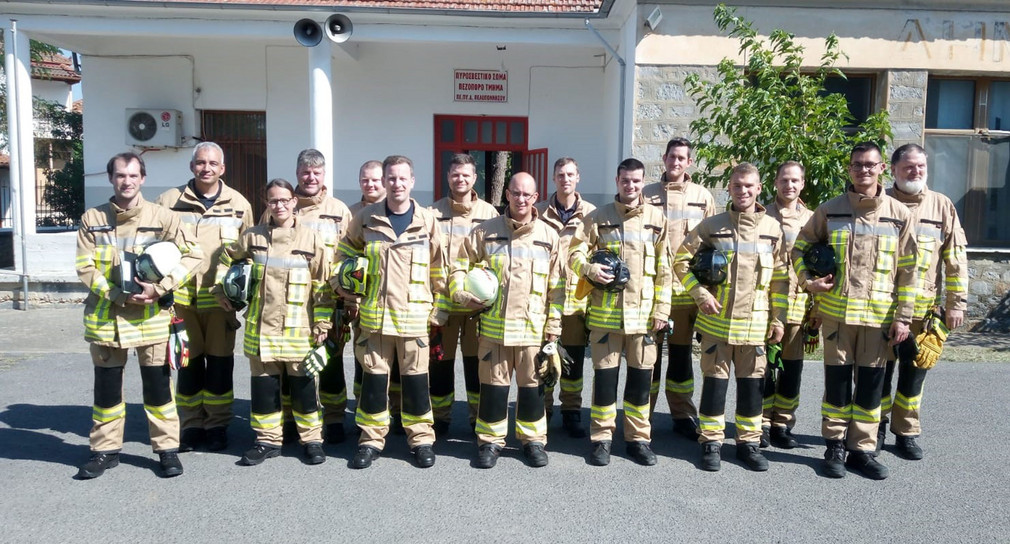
(435,350)
(549,364)
(567,363)
(811,338)
(773,352)
(178,344)
(315,360)
(930,342)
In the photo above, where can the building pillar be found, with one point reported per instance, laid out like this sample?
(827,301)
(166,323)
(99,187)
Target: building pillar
(20,136)
(321,104)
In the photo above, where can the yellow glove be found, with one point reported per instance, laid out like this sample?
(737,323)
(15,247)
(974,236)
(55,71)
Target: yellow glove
(811,338)
(930,342)
(549,364)
(315,360)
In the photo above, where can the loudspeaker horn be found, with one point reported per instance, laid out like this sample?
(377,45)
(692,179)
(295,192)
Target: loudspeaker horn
(308,32)
(338,28)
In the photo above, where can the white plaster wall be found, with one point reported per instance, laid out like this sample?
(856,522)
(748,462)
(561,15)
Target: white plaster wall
(53,91)
(384,102)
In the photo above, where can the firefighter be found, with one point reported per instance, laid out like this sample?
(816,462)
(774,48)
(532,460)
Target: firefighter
(865,307)
(372,191)
(457,215)
(406,280)
(685,204)
(940,240)
(782,386)
(624,319)
(329,217)
(565,211)
(215,215)
(523,254)
(121,315)
(737,315)
(288,315)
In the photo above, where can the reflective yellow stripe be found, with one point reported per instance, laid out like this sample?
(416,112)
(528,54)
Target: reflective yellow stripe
(885,403)
(441,401)
(218,400)
(748,423)
(189,401)
(165,411)
(862,414)
(604,412)
(380,419)
(712,423)
(836,412)
(497,429)
(265,421)
(639,412)
(311,419)
(908,403)
(532,428)
(571,386)
(411,419)
(785,403)
(333,399)
(472,398)
(105,415)
(682,388)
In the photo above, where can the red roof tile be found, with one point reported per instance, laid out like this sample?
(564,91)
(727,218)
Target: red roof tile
(55,67)
(508,6)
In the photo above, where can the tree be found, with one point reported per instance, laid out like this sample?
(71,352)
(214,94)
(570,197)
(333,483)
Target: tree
(37,50)
(64,193)
(772,110)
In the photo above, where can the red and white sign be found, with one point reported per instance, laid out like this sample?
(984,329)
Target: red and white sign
(480,86)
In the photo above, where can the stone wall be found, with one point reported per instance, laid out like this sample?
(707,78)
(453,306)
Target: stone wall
(989,292)
(906,104)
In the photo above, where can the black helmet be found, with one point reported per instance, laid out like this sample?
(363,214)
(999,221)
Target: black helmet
(236,285)
(709,266)
(611,261)
(819,260)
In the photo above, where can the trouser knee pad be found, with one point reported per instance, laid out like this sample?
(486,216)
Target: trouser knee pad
(265,394)
(415,394)
(605,386)
(636,389)
(713,396)
(373,393)
(108,386)
(157,382)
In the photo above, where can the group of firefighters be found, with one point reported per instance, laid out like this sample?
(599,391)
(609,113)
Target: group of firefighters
(657,265)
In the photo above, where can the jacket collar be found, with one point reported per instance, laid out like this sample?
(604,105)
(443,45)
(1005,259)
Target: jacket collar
(518,229)
(629,211)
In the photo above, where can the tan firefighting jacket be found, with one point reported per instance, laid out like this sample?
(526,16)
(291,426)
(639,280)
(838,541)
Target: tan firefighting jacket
(549,214)
(107,233)
(938,236)
(754,296)
(455,221)
(638,236)
(406,274)
(291,301)
(875,255)
(526,261)
(792,221)
(685,204)
(213,229)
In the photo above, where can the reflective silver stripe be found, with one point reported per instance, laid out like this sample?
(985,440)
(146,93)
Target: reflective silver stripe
(687,213)
(322,226)
(216,220)
(726,244)
(279,262)
(638,236)
(929,230)
(861,229)
(520,252)
(790,237)
(455,230)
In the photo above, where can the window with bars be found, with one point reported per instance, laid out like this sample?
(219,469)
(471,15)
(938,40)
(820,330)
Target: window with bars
(242,137)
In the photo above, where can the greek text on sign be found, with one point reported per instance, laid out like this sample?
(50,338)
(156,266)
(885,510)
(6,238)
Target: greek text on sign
(480,86)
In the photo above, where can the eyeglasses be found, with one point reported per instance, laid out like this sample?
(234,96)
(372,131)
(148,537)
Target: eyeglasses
(280,202)
(857,166)
(522,196)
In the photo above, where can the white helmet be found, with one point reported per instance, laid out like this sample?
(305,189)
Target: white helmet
(157,260)
(483,284)
(236,284)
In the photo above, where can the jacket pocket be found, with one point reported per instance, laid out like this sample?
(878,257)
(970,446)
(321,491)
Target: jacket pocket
(298,285)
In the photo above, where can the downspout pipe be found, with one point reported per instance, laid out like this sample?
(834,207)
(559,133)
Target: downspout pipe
(623,85)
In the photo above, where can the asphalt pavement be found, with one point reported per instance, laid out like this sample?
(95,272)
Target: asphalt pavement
(958,493)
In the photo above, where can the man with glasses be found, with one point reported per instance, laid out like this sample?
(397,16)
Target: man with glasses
(523,254)
(216,215)
(457,215)
(565,211)
(940,240)
(865,307)
(624,320)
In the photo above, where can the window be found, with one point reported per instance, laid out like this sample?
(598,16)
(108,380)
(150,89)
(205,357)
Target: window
(858,91)
(497,144)
(967,139)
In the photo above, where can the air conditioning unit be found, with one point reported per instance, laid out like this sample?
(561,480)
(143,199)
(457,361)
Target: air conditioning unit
(153,128)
